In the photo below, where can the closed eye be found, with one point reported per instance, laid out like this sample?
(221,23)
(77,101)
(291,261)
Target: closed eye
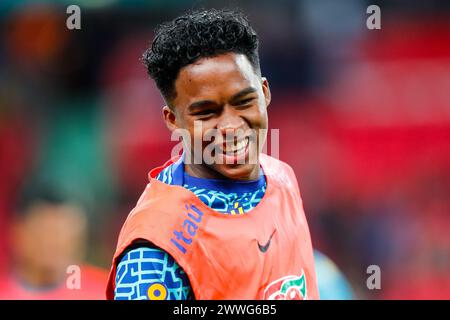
(204,112)
(244,101)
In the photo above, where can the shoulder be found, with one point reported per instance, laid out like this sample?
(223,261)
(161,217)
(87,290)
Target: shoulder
(274,165)
(279,172)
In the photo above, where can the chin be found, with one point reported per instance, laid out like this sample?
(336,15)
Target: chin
(238,171)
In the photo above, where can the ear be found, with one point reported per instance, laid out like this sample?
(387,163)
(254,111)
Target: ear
(170,118)
(266,91)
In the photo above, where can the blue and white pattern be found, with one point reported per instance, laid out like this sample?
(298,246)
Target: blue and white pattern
(165,175)
(223,202)
(228,203)
(151,273)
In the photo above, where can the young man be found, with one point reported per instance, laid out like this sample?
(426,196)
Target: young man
(230,228)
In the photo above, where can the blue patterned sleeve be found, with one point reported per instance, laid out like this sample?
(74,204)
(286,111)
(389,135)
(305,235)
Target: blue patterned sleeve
(150,274)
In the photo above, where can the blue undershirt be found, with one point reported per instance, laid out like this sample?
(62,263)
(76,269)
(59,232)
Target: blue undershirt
(149,273)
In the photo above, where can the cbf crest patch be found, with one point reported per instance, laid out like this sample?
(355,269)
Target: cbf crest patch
(287,288)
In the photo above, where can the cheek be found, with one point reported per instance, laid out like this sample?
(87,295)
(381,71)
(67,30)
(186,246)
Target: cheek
(200,131)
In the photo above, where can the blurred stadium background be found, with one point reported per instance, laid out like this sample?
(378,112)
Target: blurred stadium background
(364,119)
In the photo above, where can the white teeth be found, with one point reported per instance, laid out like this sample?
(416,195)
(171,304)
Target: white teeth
(237,147)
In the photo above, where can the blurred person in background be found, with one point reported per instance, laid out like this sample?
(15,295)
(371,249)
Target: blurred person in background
(48,243)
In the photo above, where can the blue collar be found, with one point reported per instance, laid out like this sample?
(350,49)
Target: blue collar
(181,178)
(177,170)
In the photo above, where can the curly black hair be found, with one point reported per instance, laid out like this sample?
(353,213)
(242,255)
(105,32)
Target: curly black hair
(195,35)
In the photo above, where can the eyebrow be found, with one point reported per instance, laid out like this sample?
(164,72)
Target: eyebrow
(237,96)
(243,93)
(200,104)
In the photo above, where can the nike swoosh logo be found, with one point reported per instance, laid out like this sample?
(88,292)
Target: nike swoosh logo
(264,248)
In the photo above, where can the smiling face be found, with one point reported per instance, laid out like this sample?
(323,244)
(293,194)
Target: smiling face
(224,95)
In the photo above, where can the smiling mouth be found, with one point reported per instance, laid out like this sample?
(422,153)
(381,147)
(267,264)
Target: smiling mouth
(234,148)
